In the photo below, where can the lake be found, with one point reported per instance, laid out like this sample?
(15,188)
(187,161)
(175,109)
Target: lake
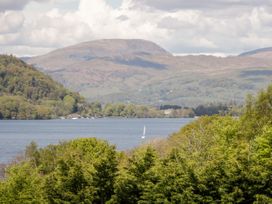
(15,135)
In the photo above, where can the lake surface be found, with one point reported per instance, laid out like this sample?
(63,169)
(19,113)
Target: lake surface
(124,133)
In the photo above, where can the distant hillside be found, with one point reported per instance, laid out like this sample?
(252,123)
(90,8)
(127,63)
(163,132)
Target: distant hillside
(254,52)
(26,93)
(142,72)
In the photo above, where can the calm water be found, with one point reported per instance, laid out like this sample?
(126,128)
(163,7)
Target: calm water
(124,133)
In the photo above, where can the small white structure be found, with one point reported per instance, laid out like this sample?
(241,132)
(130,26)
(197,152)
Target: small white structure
(143,136)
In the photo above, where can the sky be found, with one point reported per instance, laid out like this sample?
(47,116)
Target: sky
(218,27)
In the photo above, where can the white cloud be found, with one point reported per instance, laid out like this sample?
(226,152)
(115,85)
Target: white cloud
(11,22)
(189,28)
(15,4)
(201,4)
(22,50)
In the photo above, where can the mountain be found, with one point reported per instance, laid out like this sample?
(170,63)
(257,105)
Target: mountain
(261,51)
(140,71)
(26,93)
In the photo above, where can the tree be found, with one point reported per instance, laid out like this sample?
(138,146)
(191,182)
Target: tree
(84,172)
(136,180)
(23,185)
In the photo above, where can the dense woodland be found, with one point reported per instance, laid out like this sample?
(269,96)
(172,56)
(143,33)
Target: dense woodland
(215,159)
(96,109)
(26,93)
(171,111)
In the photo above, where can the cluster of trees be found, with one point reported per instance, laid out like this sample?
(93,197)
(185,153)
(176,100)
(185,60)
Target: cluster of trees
(96,109)
(26,93)
(201,110)
(215,159)
(120,110)
(211,109)
(174,107)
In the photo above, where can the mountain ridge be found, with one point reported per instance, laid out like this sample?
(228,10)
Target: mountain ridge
(140,71)
(256,51)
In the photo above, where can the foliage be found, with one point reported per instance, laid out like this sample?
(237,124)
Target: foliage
(26,93)
(165,107)
(96,109)
(211,109)
(23,186)
(136,180)
(79,171)
(130,110)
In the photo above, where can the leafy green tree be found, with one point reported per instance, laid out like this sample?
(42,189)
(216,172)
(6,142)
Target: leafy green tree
(137,179)
(69,104)
(257,113)
(70,183)
(22,186)
(84,172)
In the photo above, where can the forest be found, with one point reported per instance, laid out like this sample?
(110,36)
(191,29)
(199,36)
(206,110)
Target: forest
(26,93)
(96,109)
(215,159)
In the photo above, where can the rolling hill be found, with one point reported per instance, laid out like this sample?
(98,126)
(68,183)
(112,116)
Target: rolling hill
(142,72)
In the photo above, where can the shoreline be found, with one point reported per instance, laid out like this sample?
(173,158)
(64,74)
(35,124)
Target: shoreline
(100,118)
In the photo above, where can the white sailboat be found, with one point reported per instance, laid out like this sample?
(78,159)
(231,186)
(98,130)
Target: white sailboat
(143,136)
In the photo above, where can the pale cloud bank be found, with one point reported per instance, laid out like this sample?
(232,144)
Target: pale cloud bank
(202,4)
(207,26)
(15,4)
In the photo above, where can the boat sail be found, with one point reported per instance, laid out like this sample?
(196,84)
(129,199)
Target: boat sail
(143,136)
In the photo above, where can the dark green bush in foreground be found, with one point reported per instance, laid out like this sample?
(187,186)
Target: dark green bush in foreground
(212,160)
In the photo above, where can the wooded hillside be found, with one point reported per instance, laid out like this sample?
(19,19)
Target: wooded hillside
(26,93)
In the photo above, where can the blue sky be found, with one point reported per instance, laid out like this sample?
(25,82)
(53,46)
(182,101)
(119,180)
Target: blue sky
(34,27)
(115,3)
